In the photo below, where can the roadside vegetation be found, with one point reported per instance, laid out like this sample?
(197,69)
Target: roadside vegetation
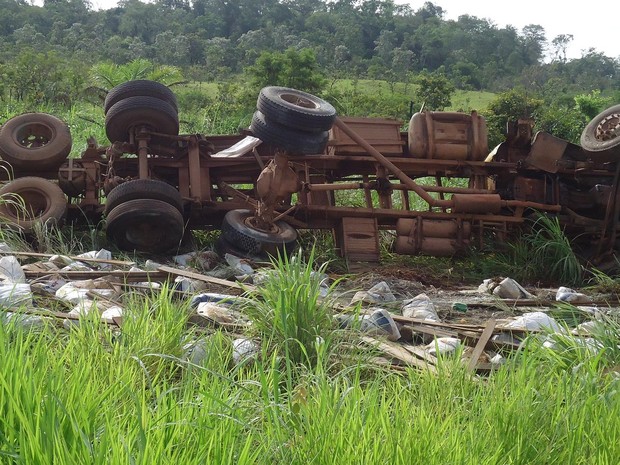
(93,394)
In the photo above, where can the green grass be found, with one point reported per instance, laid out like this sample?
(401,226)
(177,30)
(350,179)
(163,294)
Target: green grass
(93,396)
(542,254)
(96,394)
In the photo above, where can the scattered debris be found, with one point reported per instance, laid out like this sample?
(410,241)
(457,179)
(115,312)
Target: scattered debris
(11,271)
(380,293)
(443,346)
(420,307)
(407,331)
(15,295)
(380,322)
(507,288)
(566,294)
(244,350)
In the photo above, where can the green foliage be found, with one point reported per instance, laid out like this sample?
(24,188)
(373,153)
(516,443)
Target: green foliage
(434,91)
(88,395)
(40,78)
(543,254)
(349,38)
(592,104)
(293,68)
(289,312)
(106,75)
(509,106)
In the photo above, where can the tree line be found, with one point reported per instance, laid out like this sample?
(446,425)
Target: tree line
(376,39)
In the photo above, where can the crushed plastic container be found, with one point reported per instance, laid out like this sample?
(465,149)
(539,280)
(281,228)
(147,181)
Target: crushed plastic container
(11,271)
(381,322)
(420,307)
(443,346)
(380,293)
(565,294)
(508,288)
(244,349)
(14,295)
(535,321)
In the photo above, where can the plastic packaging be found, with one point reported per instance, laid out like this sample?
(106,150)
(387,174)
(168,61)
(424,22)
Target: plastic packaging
(11,271)
(378,294)
(381,322)
(420,307)
(15,295)
(443,346)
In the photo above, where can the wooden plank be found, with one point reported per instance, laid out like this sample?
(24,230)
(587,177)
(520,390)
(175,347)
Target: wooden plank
(454,326)
(80,275)
(405,320)
(57,315)
(72,257)
(205,278)
(396,351)
(421,353)
(436,332)
(480,346)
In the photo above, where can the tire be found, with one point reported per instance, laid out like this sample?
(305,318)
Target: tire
(237,229)
(35,141)
(143,189)
(296,109)
(223,247)
(603,132)
(27,201)
(293,140)
(152,112)
(140,88)
(145,225)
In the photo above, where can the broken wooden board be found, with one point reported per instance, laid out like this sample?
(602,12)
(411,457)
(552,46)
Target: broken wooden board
(481,345)
(71,257)
(127,276)
(207,279)
(397,351)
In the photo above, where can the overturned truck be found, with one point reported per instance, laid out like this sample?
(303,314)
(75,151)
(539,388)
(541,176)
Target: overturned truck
(300,166)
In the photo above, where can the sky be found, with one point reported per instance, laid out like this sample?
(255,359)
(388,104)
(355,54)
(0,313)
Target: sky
(592,25)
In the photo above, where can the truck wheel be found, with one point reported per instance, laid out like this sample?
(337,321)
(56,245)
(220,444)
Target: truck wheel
(140,88)
(157,115)
(603,132)
(27,201)
(293,140)
(35,141)
(145,225)
(238,228)
(296,109)
(143,189)
(223,247)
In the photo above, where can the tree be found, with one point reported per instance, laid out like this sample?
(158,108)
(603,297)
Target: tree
(171,48)
(508,106)
(560,44)
(293,68)
(434,90)
(107,75)
(534,42)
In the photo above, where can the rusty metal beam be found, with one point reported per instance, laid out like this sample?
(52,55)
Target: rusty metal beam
(370,185)
(391,167)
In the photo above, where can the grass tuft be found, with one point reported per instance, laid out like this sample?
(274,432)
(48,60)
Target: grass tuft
(289,312)
(543,254)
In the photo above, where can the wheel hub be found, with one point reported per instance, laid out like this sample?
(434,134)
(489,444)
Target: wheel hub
(256,223)
(34,135)
(608,128)
(298,101)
